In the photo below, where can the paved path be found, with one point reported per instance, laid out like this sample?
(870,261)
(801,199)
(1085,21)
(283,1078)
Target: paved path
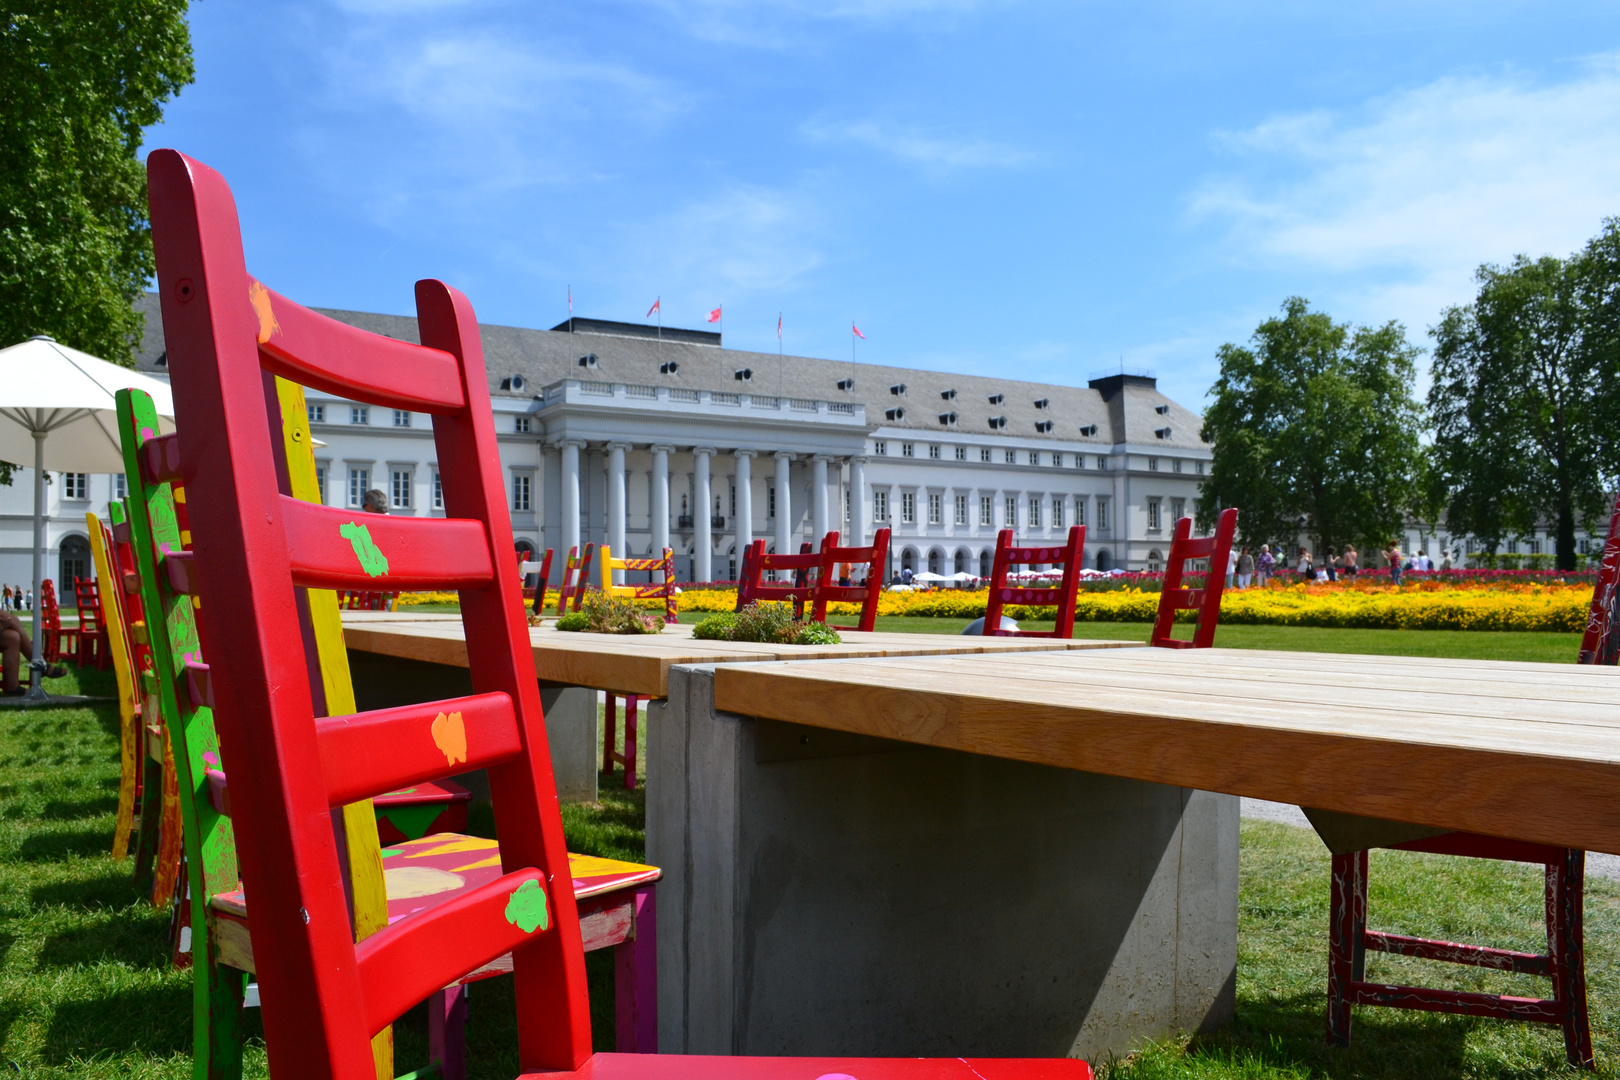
(1597,864)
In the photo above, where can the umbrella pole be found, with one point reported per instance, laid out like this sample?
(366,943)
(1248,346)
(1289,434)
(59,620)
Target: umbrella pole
(39,555)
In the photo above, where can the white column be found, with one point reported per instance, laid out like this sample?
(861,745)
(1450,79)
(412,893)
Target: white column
(570,494)
(702,520)
(659,497)
(818,498)
(745,503)
(784,504)
(615,508)
(857,501)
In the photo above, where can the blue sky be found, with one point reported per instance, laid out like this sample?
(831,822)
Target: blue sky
(1037,189)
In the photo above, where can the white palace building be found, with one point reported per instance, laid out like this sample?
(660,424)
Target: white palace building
(613,434)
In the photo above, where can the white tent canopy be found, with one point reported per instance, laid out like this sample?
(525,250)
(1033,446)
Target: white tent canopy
(57,411)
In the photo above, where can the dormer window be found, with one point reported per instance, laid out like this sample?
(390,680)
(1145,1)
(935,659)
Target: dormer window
(743,374)
(1088,430)
(846,384)
(948,419)
(997,423)
(512,382)
(588,360)
(898,389)
(948,395)
(668,367)
(1043,426)
(1043,403)
(1162,410)
(1163,433)
(894,414)
(997,399)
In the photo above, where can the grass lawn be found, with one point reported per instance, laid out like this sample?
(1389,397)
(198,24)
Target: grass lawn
(85,990)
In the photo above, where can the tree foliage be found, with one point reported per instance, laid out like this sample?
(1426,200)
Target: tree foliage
(1314,421)
(79,81)
(1525,399)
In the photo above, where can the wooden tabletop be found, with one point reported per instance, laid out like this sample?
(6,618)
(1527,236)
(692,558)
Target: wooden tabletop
(640,663)
(1528,751)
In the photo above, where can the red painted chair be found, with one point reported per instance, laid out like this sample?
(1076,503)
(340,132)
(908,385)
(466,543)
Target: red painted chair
(543,570)
(652,590)
(576,579)
(58,642)
(366,600)
(91,634)
(874,557)
(1176,596)
(323,996)
(752,586)
(1062,596)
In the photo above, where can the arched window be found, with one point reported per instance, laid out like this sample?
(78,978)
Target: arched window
(984,563)
(1105,561)
(933,561)
(526,549)
(961,561)
(908,560)
(1155,561)
(75,564)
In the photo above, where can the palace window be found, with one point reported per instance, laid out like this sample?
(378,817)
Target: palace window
(399,489)
(1034,511)
(1102,515)
(1057,513)
(402,418)
(880,448)
(359,414)
(934,509)
(908,508)
(1012,513)
(75,485)
(317,412)
(359,481)
(933,452)
(438,491)
(908,449)
(961,509)
(986,511)
(1153,515)
(522,492)
(880,505)
(961,453)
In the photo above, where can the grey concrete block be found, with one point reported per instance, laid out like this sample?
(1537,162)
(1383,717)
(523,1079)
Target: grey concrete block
(382,682)
(833,894)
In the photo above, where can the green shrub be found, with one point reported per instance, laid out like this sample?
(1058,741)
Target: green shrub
(716,627)
(814,633)
(603,614)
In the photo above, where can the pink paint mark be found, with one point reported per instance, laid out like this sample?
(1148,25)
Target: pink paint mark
(971,1069)
(210,757)
(835,1076)
(147,433)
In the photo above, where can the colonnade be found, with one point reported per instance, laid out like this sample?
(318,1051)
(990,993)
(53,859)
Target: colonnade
(701,511)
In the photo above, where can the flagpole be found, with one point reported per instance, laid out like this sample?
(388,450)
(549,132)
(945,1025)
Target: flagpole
(660,306)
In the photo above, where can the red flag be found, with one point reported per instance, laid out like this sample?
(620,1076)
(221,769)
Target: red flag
(714,316)
(654,308)
(779,327)
(570,301)
(857,330)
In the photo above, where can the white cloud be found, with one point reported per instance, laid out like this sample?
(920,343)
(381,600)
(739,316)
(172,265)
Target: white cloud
(1405,198)
(931,150)
(782,24)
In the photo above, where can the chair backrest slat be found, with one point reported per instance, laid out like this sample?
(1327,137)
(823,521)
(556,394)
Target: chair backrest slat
(873,557)
(311,349)
(1175,596)
(340,549)
(323,994)
(1063,596)
(752,586)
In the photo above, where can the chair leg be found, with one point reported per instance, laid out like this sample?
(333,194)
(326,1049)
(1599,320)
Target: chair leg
(635,981)
(630,703)
(611,714)
(1565,932)
(147,835)
(1347,921)
(447,1032)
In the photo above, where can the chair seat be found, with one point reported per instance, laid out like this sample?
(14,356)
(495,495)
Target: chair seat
(421,810)
(699,1067)
(421,874)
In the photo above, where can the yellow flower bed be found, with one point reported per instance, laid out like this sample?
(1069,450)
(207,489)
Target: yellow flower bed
(1419,607)
(1424,606)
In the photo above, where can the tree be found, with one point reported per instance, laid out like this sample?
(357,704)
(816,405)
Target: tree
(1314,428)
(79,81)
(1524,396)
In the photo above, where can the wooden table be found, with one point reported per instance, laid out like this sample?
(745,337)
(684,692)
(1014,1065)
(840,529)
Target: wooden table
(400,657)
(1528,751)
(1037,853)
(639,664)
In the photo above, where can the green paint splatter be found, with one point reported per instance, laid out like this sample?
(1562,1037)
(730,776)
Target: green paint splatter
(387,851)
(527,907)
(372,561)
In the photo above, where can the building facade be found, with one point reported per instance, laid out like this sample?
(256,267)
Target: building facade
(623,435)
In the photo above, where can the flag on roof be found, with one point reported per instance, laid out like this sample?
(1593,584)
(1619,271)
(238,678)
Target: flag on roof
(778,326)
(654,308)
(857,330)
(714,316)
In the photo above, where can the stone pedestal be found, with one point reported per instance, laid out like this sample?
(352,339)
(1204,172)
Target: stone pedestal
(827,893)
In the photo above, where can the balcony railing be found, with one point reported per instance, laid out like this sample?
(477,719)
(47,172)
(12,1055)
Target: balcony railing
(684,521)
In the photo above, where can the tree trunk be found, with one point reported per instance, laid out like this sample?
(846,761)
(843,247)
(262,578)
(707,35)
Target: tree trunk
(1566,531)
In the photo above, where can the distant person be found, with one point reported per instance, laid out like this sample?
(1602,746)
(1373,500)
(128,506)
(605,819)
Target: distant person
(905,575)
(1350,569)
(1245,568)
(1306,568)
(1330,565)
(1392,555)
(1266,564)
(1445,561)
(374,502)
(1423,562)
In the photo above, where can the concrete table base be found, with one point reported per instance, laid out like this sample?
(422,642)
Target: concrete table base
(571,719)
(829,893)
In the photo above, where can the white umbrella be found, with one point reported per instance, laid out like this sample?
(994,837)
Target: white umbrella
(57,403)
(927,576)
